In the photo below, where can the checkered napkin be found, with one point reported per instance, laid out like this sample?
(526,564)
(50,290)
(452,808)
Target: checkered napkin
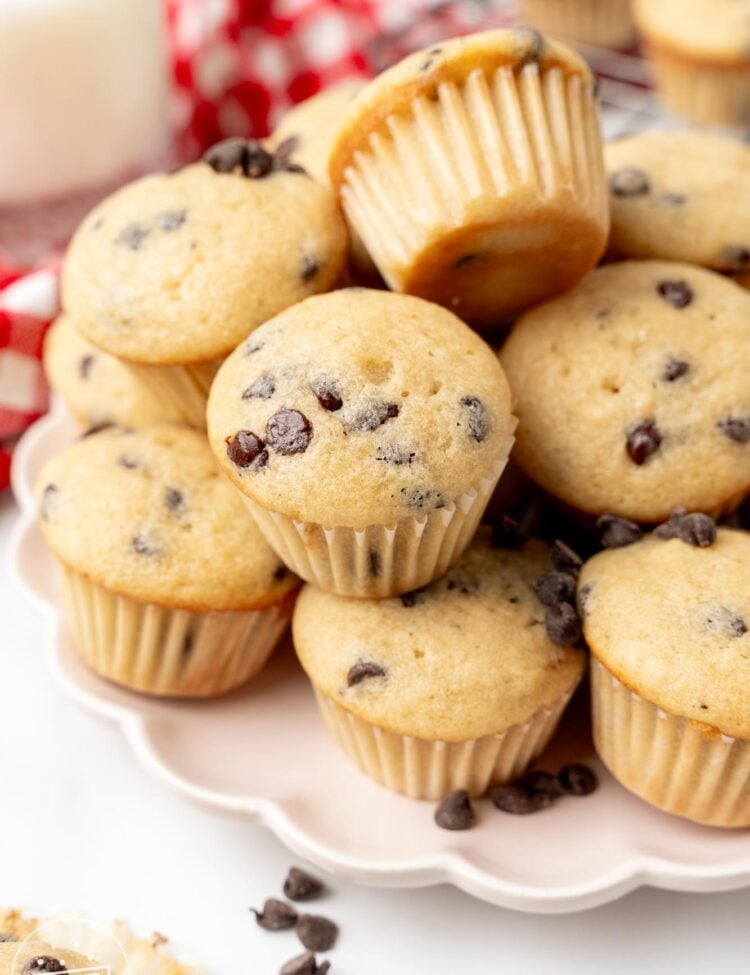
(238,65)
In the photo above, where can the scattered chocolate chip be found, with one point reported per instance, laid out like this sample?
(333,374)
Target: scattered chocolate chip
(328,395)
(723,619)
(555,587)
(305,965)
(428,63)
(50,492)
(577,779)
(643,440)
(373,416)
(262,388)
(420,499)
(516,799)
(456,812)
(629,182)
(564,559)
(582,597)
(127,461)
(375,565)
(302,886)
(533,45)
(309,267)
(363,670)
(391,454)
(477,417)
(174,499)
(317,933)
(226,156)
(85,365)
(675,369)
(737,428)
(280,573)
(285,148)
(143,545)
(257,161)
(250,156)
(463,584)
(245,449)
(276,915)
(736,257)
(7,937)
(171,220)
(679,294)
(252,346)
(696,528)
(45,963)
(673,199)
(289,432)
(562,624)
(616,532)
(414,597)
(539,781)
(507,533)
(132,236)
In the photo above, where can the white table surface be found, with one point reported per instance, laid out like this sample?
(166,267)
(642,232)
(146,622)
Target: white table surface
(85,831)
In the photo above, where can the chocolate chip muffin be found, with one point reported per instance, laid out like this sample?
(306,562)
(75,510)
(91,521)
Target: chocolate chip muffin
(169,587)
(632,391)
(681,196)
(601,23)
(172,271)
(458,685)
(470,166)
(366,431)
(95,386)
(667,620)
(700,56)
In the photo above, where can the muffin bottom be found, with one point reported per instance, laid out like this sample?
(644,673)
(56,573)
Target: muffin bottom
(710,93)
(601,24)
(182,390)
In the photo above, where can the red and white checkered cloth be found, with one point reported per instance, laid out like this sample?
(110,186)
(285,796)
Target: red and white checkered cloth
(238,65)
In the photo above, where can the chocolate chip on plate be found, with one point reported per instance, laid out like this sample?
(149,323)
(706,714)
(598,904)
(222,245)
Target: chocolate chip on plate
(675,369)
(643,440)
(562,624)
(629,182)
(477,418)
(455,812)
(679,294)
(276,915)
(317,933)
(328,395)
(555,587)
(696,528)
(737,428)
(45,963)
(616,532)
(305,964)
(578,779)
(262,388)
(540,781)
(363,670)
(302,886)
(245,449)
(517,799)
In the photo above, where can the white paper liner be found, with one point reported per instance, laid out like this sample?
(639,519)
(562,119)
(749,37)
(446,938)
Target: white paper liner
(423,769)
(682,766)
(171,652)
(718,95)
(407,555)
(183,390)
(601,23)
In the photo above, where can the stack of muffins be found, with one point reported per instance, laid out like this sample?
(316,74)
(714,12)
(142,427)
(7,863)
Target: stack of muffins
(264,424)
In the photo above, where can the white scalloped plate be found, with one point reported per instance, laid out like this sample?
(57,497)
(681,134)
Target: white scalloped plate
(263,752)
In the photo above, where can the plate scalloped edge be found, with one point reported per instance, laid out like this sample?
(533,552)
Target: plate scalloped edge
(440,867)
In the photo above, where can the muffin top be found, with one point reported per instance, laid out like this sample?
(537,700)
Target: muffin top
(96,387)
(148,515)
(313,125)
(681,196)
(672,622)
(717,30)
(632,391)
(422,73)
(465,657)
(359,407)
(179,268)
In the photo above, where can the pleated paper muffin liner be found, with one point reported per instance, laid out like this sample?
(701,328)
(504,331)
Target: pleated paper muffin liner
(426,769)
(710,93)
(380,560)
(603,23)
(183,390)
(170,652)
(682,766)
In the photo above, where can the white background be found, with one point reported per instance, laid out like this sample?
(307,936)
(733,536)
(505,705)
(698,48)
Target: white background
(84,830)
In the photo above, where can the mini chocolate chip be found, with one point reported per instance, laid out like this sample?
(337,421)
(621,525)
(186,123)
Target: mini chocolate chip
(309,267)
(171,220)
(305,965)
(463,584)
(226,156)
(289,432)
(737,428)
(507,533)
(679,294)
(629,182)
(317,933)
(252,346)
(533,45)
(286,147)
(174,499)
(302,886)
(374,416)
(582,597)
(7,937)
(616,532)
(562,624)
(85,365)
(539,781)
(419,500)
(704,707)
(516,799)
(262,388)
(245,449)
(643,440)
(555,587)
(433,53)
(673,199)
(50,492)
(45,963)
(675,369)
(374,564)
(477,417)
(127,461)
(328,395)
(724,619)
(577,779)
(456,812)
(736,257)
(363,670)
(144,545)
(564,559)
(696,529)
(276,915)
(257,161)
(391,454)
(132,236)
(280,573)
(410,599)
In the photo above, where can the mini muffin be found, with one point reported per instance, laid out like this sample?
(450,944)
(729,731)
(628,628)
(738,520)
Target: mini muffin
(366,431)
(632,391)
(97,388)
(700,56)
(601,23)
(681,196)
(668,625)
(456,686)
(170,589)
(172,271)
(473,172)
(25,957)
